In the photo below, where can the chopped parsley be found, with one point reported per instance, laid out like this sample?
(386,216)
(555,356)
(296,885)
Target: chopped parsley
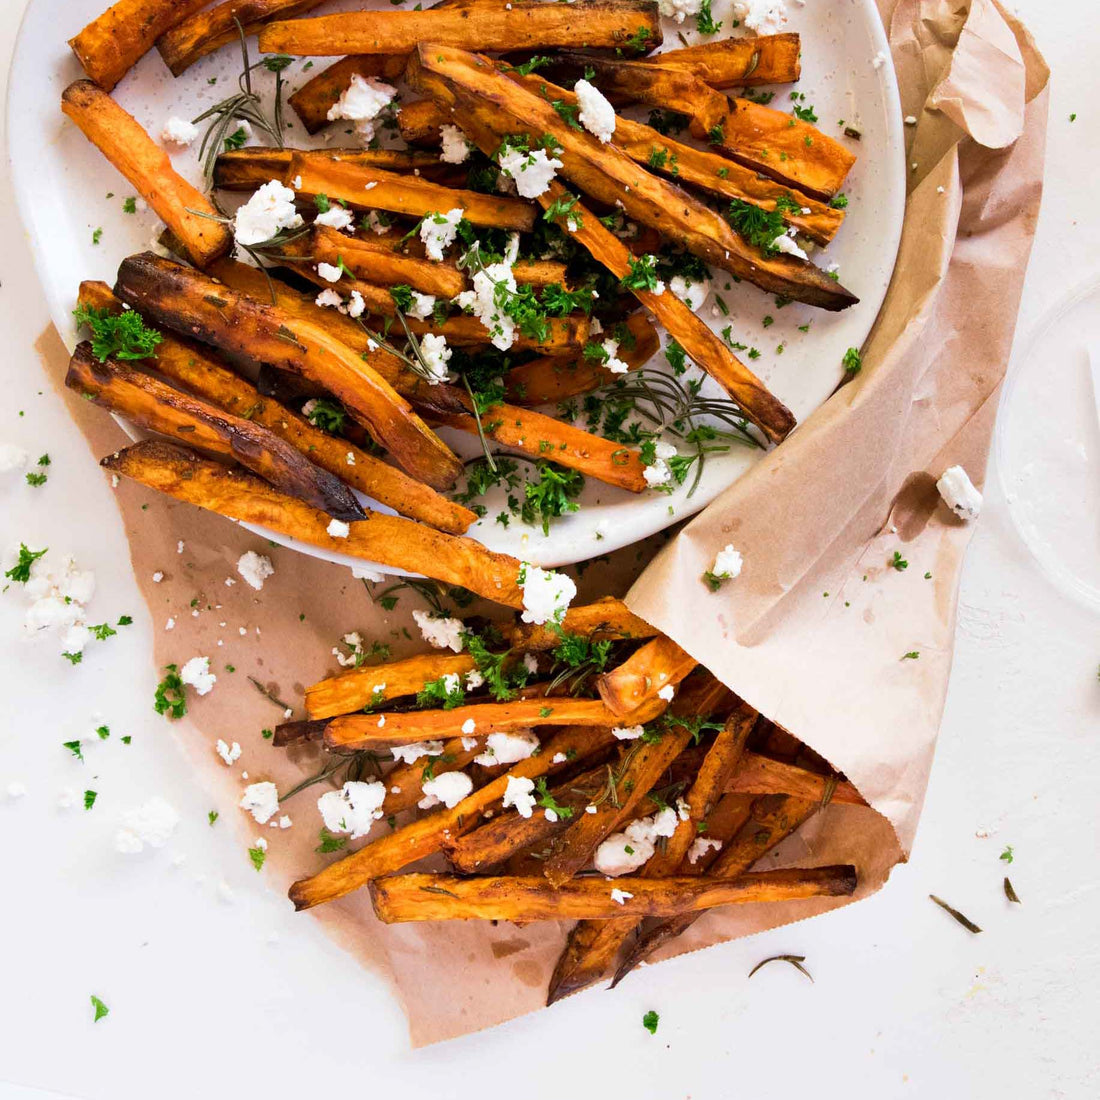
(330,843)
(650,1021)
(898,562)
(101,1009)
(547,801)
(118,335)
(169,698)
(552,495)
(642,274)
(89,799)
(758,227)
(20,572)
(704,20)
(258,855)
(853,361)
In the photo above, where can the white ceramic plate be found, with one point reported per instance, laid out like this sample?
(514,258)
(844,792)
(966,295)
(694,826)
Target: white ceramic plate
(61,184)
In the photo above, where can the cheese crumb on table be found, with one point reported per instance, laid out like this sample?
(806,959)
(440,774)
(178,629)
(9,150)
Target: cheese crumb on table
(12,458)
(178,131)
(196,672)
(959,493)
(255,568)
(261,800)
(229,753)
(152,823)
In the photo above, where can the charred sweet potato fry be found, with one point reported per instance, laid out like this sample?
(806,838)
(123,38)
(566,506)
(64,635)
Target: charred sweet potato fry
(352,691)
(114,42)
(739,62)
(247,169)
(314,99)
(193,368)
(549,378)
(206,31)
(522,25)
(419,897)
(658,664)
(364,188)
(120,138)
(391,852)
(157,407)
(421,120)
(350,732)
(607,618)
(389,540)
(199,306)
(763,775)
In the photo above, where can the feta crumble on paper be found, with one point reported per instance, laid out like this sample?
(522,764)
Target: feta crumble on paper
(270,209)
(197,673)
(532,170)
(546,594)
(596,114)
(230,754)
(727,563)
(438,231)
(762,16)
(507,748)
(450,788)
(152,823)
(179,131)
(409,754)
(518,793)
(455,148)
(261,800)
(959,494)
(12,458)
(361,102)
(58,595)
(354,808)
(442,633)
(255,568)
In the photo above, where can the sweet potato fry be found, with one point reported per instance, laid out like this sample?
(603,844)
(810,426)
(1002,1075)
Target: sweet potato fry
(120,138)
(524,25)
(773,819)
(606,618)
(389,540)
(704,347)
(739,62)
(350,732)
(247,169)
(157,407)
(361,687)
(208,310)
(114,42)
(550,378)
(193,368)
(421,838)
(420,121)
(405,782)
(206,31)
(420,897)
(641,676)
(314,99)
(364,188)
(762,775)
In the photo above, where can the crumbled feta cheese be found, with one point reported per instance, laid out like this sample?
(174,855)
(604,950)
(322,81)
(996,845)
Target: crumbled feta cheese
(338,529)
(518,794)
(12,458)
(613,363)
(559,758)
(170,624)
(507,748)
(455,149)
(270,209)
(666,693)
(58,595)
(356,305)
(158,576)
(482,302)
(443,633)
(329,272)
(665,822)
(197,673)
(620,895)
(627,733)
(692,292)
(450,788)
(727,563)
(469,726)
(285,822)
(329,299)
(376,224)
(474,679)
(531,663)
(762,16)
(361,102)
(546,594)
(879,59)
(261,800)
(469,744)
(255,568)
(624,852)
(152,823)
(596,114)
(229,753)
(700,846)
(438,232)
(532,170)
(336,217)
(422,306)
(362,573)
(786,243)
(261,843)
(658,472)
(435,356)
(959,493)
(179,131)
(352,809)
(679,9)
(910,120)
(409,754)
(452,682)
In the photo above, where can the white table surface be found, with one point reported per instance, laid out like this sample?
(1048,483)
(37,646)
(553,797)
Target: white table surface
(905,1003)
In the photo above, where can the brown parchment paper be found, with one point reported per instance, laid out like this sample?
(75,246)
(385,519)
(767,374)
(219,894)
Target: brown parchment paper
(821,514)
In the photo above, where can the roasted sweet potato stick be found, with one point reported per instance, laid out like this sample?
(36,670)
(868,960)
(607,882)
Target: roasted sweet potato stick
(390,852)
(314,99)
(419,897)
(739,62)
(157,407)
(201,307)
(206,31)
(376,684)
(364,188)
(641,676)
(120,138)
(522,25)
(773,819)
(113,43)
(389,540)
(193,368)
(350,732)
(405,782)
(606,618)
(247,169)
(762,775)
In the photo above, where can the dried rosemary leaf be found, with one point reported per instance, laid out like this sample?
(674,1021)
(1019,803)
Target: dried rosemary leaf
(795,960)
(1010,893)
(966,922)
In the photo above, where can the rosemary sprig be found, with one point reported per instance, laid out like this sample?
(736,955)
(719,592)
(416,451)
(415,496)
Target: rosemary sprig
(795,960)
